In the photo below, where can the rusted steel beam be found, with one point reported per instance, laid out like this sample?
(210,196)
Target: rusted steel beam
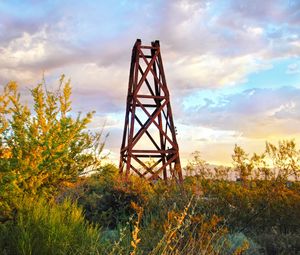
(148,47)
(147,105)
(148,95)
(147,156)
(154,151)
(151,97)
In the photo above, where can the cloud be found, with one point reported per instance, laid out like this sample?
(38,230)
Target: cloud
(31,17)
(211,71)
(204,44)
(103,89)
(293,68)
(255,113)
(275,11)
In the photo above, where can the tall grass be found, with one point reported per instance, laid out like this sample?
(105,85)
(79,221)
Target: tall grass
(48,228)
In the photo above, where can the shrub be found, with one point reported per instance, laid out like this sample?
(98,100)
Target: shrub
(275,242)
(108,202)
(45,228)
(44,149)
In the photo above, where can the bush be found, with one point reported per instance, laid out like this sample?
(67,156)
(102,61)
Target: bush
(44,149)
(48,228)
(275,242)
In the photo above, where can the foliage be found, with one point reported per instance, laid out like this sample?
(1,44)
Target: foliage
(285,159)
(186,233)
(197,166)
(280,163)
(276,242)
(223,217)
(242,164)
(266,209)
(106,198)
(41,227)
(43,150)
(200,168)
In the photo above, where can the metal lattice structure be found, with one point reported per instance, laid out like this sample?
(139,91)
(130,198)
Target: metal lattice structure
(149,146)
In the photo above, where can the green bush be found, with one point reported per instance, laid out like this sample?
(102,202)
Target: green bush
(43,149)
(106,198)
(45,228)
(275,242)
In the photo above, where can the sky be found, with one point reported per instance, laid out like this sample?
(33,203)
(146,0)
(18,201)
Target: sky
(232,66)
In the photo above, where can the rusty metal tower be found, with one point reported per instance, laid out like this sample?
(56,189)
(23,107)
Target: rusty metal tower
(149,146)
